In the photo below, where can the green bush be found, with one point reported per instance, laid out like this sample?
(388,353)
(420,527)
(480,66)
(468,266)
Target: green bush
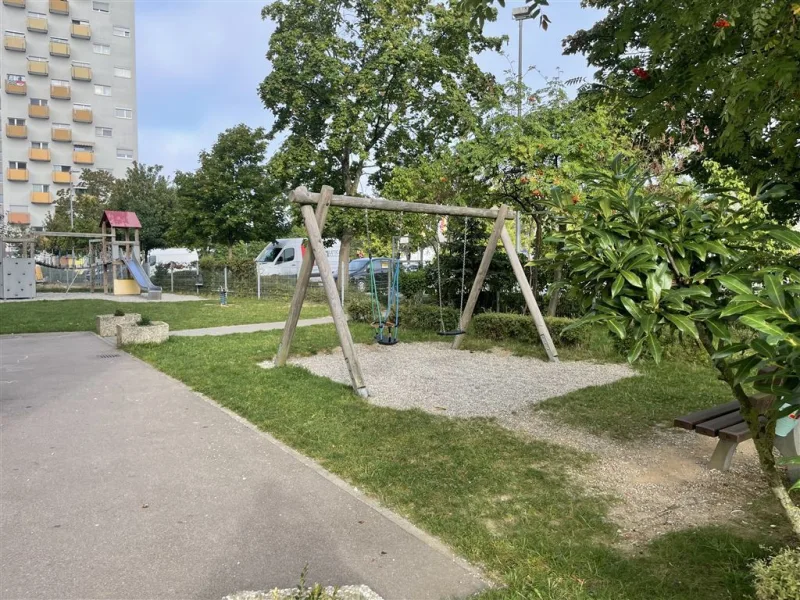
(119,313)
(778,578)
(507,326)
(145,321)
(413,283)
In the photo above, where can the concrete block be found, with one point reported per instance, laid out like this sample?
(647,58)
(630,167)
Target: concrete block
(155,333)
(107,324)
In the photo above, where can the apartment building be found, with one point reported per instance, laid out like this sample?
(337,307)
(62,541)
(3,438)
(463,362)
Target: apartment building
(68,101)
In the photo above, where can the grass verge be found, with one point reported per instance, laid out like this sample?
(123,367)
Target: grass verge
(497,499)
(79,315)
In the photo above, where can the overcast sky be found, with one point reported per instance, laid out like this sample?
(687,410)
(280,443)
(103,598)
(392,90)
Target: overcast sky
(199,65)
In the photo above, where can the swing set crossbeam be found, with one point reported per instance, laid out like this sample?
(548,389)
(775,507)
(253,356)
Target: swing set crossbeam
(302,196)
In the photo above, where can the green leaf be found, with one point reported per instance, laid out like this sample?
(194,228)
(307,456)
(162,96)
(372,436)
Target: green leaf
(738,308)
(774,286)
(763,348)
(655,348)
(632,278)
(684,324)
(632,308)
(787,236)
(761,325)
(727,351)
(617,327)
(648,322)
(619,283)
(699,249)
(653,288)
(735,284)
(719,330)
(636,351)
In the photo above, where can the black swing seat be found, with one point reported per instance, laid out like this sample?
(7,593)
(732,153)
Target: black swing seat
(386,341)
(453,332)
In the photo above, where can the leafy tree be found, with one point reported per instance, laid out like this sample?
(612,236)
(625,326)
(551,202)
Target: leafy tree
(647,263)
(361,86)
(87,209)
(149,194)
(99,184)
(230,198)
(723,73)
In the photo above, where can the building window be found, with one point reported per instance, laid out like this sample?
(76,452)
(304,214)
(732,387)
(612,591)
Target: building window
(126,154)
(122,72)
(79,22)
(16,79)
(86,65)
(102,90)
(62,168)
(123,113)
(38,102)
(40,145)
(15,34)
(122,31)
(101,7)
(103,131)
(36,15)
(59,83)
(83,148)
(104,170)
(62,126)
(41,187)
(82,106)
(37,59)
(15,164)
(56,40)
(101,49)
(14,121)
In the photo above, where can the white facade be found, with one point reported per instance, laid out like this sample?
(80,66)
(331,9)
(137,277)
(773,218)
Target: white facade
(100,73)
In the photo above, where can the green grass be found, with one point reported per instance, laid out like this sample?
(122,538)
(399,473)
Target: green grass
(79,315)
(499,500)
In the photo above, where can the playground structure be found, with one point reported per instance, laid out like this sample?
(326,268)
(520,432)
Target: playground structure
(121,251)
(118,256)
(314,220)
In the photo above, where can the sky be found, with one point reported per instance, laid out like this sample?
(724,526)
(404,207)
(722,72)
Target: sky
(199,64)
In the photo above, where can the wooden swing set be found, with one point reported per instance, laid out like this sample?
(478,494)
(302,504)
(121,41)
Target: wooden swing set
(314,208)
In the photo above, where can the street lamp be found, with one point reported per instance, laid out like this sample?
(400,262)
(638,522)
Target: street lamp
(520,14)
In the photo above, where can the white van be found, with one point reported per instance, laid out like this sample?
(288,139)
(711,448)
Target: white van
(181,259)
(284,257)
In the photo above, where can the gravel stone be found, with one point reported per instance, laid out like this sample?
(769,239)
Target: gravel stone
(347,592)
(437,379)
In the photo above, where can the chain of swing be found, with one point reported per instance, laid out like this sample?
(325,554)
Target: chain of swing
(386,323)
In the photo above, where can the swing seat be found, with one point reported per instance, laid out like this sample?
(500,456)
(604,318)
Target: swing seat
(453,332)
(386,341)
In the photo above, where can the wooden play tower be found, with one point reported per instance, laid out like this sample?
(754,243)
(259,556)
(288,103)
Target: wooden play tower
(120,242)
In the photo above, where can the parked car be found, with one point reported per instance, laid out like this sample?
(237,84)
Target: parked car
(360,272)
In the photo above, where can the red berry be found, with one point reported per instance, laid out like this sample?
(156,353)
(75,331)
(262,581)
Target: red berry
(640,73)
(722,23)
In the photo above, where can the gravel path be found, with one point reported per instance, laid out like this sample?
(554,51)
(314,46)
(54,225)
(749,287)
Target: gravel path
(434,378)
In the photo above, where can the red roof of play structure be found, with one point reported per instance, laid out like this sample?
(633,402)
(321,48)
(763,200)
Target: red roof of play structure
(121,218)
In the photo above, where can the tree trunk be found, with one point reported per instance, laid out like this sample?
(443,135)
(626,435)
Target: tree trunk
(342,280)
(763,433)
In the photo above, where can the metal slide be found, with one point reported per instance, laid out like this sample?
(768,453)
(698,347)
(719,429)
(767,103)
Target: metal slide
(135,269)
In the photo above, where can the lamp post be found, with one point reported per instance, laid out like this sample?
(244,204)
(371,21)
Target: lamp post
(520,14)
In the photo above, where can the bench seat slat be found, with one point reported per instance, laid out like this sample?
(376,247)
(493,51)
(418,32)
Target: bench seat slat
(713,427)
(735,433)
(692,419)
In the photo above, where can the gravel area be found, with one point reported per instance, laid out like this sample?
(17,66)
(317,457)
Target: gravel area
(347,592)
(51,296)
(434,378)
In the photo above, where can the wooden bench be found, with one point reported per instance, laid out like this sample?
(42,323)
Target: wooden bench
(726,423)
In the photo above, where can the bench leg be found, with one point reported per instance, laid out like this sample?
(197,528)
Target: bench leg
(789,446)
(723,455)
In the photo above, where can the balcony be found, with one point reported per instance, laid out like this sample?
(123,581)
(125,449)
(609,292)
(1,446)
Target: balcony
(37,24)
(59,49)
(62,177)
(17,3)
(14,42)
(36,111)
(16,87)
(59,7)
(39,154)
(19,218)
(17,131)
(82,115)
(58,134)
(82,32)
(41,198)
(60,92)
(17,174)
(38,67)
(82,73)
(83,158)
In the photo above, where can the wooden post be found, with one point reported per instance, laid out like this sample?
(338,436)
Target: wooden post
(91,267)
(527,293)
(480,276)
(136,246)
(104,258)
(303,279)
(339,318)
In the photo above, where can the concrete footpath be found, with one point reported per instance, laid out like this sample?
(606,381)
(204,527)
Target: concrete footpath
(117,481)
(250,328)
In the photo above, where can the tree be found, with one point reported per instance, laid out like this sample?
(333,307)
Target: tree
(726,71)
(648,263)
(230,198)
(361,86)
(150,195)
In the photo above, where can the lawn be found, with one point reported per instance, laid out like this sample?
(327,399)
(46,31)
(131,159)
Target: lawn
(499,500)
(79,315)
